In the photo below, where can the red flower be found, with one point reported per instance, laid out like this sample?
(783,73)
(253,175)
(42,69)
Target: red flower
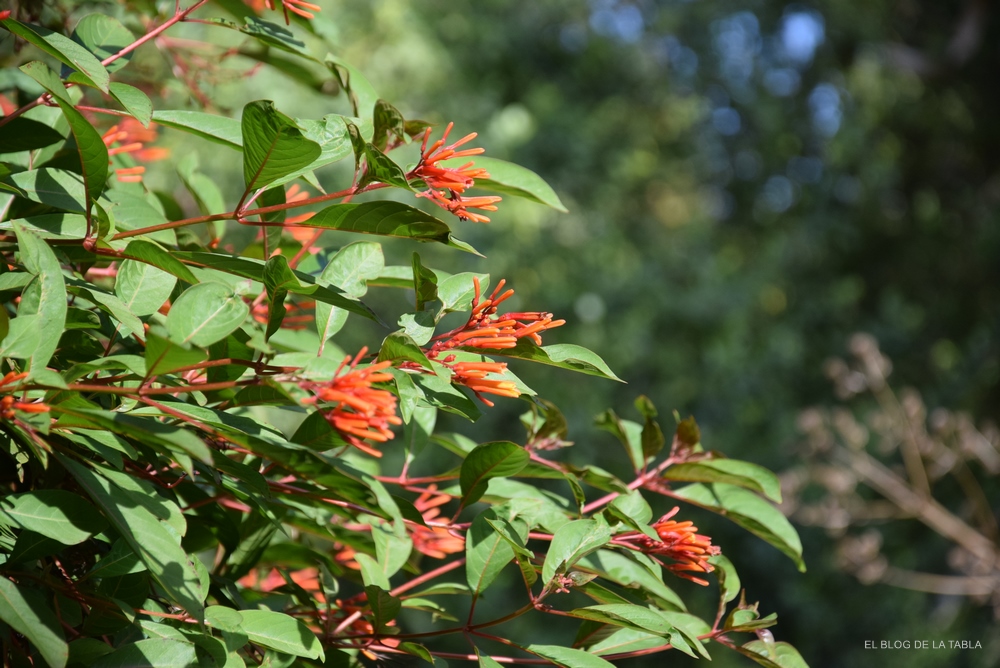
(446,184)
(679,541)
(8,404)
(473,376)
(436,542)
(294,6)
(130,137)
(360,412)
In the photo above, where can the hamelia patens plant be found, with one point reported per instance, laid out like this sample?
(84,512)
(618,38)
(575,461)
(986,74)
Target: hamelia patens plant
(193,469)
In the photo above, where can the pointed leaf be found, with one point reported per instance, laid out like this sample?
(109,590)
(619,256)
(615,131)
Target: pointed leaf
(143,287)
(281,632)
(50,294)
(104,37)
(498,459)
(567,657)
(510,179)
(26,612)
(573,541)
(273,146)
(134,100)
(158,547)
(55,513)
(562,355)
(63,49)
(730,471)
(749,511)
(388,219)
(206,313)
(219,129)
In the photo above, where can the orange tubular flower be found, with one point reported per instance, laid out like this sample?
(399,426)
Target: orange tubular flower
(435,542)
(8,404)
(130,137)
(487,330)
(446,184)
(294,6)
(679,541)
(360,412)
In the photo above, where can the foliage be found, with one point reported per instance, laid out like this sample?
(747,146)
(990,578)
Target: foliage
(194,468)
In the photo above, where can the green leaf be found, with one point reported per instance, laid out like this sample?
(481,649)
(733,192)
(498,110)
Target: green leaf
(219,129)
(628,433)
(151,653)
(361,93)
(330,133)
(378,166)
(157,546)
(54,187)
(384,605)
(203,188)
(104,36)
(652,436)
(625,640)
(562,355)
(510,179)
(749,511)
(573,541)
(27,613)
(206,313)
(282,633)
(273,146)
(424,284)
(164,356)
(456,292)
(254,270)
(91,149)
(729,471)
(634,508)
(63,49)
(388,219)
(350,270)
(388,123)
(55,513)
(486,551)
(143,287)
(773,654)
(49,295)
(729,580)
(441,393)
(399,346)
(499,459)
(223,618)
(628,572)
(568,657)
(626,615)
(149,252)
(275,35)
(134,100)
(24,134)
(392,546)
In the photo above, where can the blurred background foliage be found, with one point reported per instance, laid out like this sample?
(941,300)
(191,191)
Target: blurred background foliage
(749,183)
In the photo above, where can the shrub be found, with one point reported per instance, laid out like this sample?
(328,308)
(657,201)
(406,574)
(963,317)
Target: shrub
(193,465)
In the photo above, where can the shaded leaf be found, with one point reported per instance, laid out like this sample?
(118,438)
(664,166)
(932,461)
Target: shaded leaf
(206,313)
(498,459)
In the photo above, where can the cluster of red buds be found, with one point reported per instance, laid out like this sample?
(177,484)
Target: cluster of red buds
(130,137)
(8,404)
(358,411)
(436,542)
(446,185)
(679,541)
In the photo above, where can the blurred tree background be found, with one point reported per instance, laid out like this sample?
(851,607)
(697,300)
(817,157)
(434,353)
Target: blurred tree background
(749,183)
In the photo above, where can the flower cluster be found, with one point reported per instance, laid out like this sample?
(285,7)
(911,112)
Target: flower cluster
(679,541)
(359,412)
(446,185)
(8,404)
(435,541)
(131,137)
(486,330)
